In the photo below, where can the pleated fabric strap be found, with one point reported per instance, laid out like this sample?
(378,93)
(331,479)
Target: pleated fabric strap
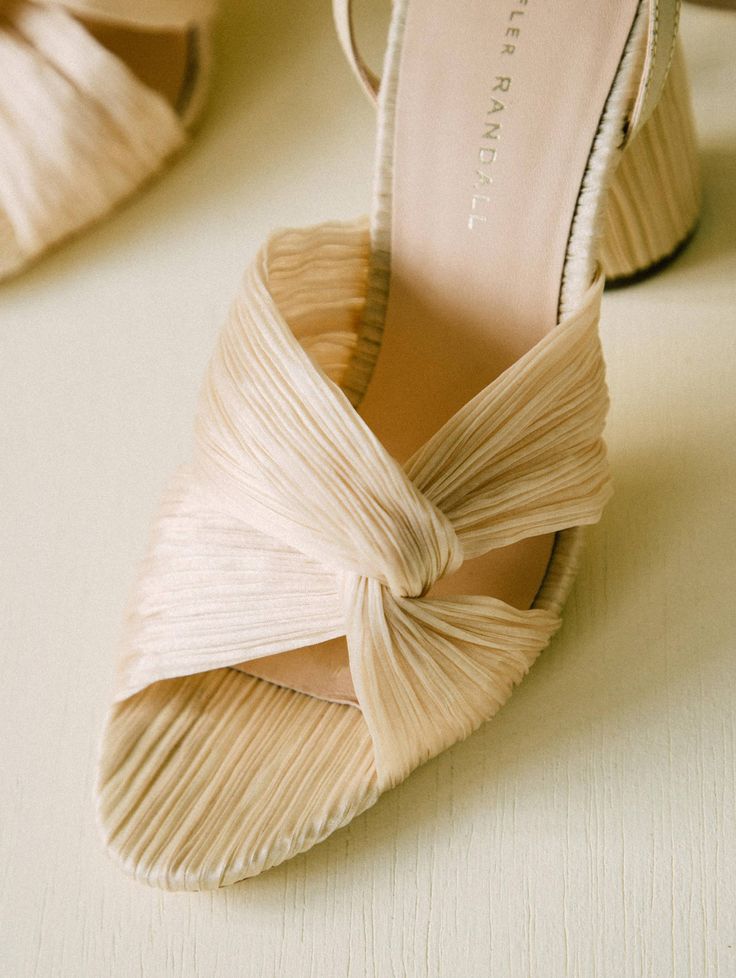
(78,130)
(294,525)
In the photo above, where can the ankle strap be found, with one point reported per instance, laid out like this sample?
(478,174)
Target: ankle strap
(663,16)
(664,19)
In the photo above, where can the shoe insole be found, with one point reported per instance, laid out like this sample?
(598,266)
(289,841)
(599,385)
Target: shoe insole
(160,59)
(497,108)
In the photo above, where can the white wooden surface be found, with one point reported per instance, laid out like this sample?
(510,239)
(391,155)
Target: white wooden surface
(590,829)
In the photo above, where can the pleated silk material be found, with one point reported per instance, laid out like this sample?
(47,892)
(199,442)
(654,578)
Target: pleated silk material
(79,131)
(210,778)
(294,525)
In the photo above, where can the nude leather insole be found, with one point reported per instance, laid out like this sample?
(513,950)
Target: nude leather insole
(159,58)
(497,108)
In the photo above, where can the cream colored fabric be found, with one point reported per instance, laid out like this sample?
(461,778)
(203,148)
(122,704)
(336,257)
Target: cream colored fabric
(211,778)
(655,198)
(295,526)
(78,131)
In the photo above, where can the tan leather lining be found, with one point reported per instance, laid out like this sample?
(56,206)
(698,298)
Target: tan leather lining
(159,58)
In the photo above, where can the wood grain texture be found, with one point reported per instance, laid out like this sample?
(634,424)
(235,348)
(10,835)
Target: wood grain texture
(590,830)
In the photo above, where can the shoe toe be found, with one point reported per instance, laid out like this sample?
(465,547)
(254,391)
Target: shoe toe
(208,779)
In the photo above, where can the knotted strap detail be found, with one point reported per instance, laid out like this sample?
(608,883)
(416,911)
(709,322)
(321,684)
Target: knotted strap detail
(295,525)
(290,455)
(78,131)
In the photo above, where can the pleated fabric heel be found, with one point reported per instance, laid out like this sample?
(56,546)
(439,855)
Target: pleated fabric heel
(654,202)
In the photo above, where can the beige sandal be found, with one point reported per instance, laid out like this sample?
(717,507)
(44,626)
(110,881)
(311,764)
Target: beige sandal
(97,95)
(332,596)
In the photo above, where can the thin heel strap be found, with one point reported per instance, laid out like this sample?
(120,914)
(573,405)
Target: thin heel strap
(342,11)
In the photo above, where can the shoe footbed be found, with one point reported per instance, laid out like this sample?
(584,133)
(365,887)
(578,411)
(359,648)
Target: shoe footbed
(158,58)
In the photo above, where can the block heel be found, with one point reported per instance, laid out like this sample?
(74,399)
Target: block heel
(654,201)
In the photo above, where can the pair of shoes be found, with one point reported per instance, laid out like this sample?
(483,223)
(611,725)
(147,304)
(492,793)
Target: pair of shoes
(100,94)
(399,440)
(97,96)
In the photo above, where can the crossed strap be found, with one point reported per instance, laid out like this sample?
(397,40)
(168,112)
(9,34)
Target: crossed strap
(78,130)
(294,525)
